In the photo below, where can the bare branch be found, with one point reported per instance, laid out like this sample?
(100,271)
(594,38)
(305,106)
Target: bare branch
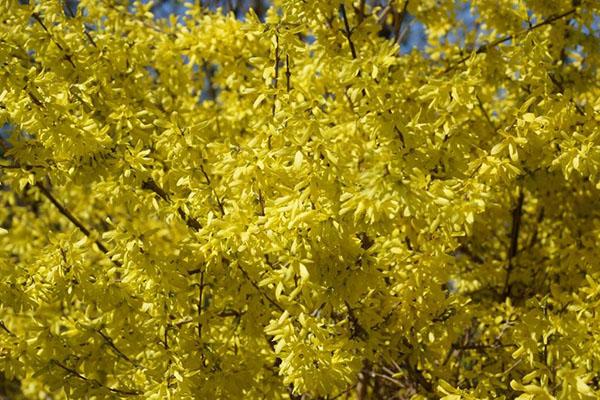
(74,220)
(275,82)
(94,382)
(485,47)
(255,285)
(348,32)
(517,214)
(200,303)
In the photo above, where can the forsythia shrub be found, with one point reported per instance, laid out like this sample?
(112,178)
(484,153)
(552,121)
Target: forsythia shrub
(285,205)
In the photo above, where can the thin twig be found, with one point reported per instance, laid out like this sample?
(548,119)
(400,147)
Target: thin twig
(419,378)
(95,382)
(5,328)
(85,31)
(275,81)
(200,304)
(209,183)
(399,22)
(483,48)
(266,296)
(485,113)
(356,330)
(112,345)
(517,214)
(561,88)
(348,32)
(288,74)
(74,220)
(190,221)
(67,57)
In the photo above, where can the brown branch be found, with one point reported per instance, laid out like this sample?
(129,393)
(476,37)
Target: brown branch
(72,15)
(33,98)
(346,391)
(74,220)
(23,167)
(477,346)
(360,11)
(190,221)
(348,32)
(419,378)
(266,296)
(275,82)
(517,215)
(112,345)
(209,183)
(288,74)
(534,236)
(200,305)
(467,252)
(150,184)
(5,328)
(94,381)
(261,202)
(356,330)
(485,47)
(400,136)
(400,20)
(67,57)
(561,89)
(485,113)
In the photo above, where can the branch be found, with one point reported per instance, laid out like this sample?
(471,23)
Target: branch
(288,74)
(485,114)
(517,214)
(266,296)
(5,328)
(356,330)
(208,182)
(360,11)
(74,220)
(67,57)
(483,48)
(94,381)
(67,7)
(348,32)
(400,136)
(112,345)
(399,22)
(200,299)
(190,221)
(561,89)
(419,377)
(276,72)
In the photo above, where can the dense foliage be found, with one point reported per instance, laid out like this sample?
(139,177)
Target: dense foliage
(282,203)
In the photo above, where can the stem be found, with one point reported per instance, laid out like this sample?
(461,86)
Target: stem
(74,220)
(200,300)
(71,13)
(208,182)
(266,296)
(190,221)
(112,345)
(483,48)
(400,20)
(95,382)
(288,74)
(67,57)
(517,214)
(276,72)
(348,31)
